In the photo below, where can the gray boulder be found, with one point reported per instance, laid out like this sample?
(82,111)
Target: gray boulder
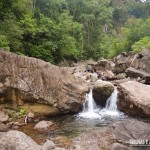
(134,73)
(24,80)
(134,99)
(16,140)
(102,90)
(43,126)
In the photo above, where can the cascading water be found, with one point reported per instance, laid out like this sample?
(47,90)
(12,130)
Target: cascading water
(111,106)
(90,110)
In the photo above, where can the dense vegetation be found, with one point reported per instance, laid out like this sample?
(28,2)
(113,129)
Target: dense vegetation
(54,30)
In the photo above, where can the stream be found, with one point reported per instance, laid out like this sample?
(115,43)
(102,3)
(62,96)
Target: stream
(91,118)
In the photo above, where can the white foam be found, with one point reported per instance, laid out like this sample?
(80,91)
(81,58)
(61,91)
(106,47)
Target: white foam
(90,110)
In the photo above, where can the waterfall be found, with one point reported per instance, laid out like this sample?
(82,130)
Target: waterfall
(89,104)
(91,110)
(111,105)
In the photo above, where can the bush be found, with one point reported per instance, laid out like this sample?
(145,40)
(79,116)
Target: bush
(4,43)
(144,43)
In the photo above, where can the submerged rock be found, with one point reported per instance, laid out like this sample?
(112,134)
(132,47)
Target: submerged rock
(102,90)
(118,136)
(134,98)
(43,126)
(24,79)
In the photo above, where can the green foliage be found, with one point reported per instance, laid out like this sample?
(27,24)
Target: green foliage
(4,43)
(135,30)
(143,43)
(21,112)
(54,30)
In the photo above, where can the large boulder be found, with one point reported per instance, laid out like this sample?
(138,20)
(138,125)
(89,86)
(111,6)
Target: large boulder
(16,140)
(102,90)
(134,98)
(134,73)
(120,63)
(104,69)
(140,61)
(24,79)
(119,136)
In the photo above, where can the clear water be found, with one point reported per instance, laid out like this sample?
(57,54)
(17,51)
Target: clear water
(91,118)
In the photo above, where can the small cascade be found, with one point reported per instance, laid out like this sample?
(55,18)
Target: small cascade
(91,110)
(111,105)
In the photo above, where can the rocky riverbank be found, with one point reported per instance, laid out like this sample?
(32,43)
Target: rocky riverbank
(32,90)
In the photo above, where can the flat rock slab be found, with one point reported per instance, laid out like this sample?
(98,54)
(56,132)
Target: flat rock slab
(135,73)
(134,98)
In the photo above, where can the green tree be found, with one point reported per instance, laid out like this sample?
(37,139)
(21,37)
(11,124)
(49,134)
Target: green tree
(4,43)
(143,43)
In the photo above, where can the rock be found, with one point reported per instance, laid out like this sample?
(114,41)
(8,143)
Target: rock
(116,137)
(3,117)
(62,141)
(102,90)
(104,69)
(109,75)
(31,115)
(24,79)
(48,145)
(43,126)
(116,82)
(16,140)
(134,73)
(118,146)
(93,77)
(121,58)
(41,109)
(120,63)
(134,98)
(119,68)
(104,63)
(3,128)
(15,127)
(120,76)
(89,68)
(78,74)
(140,61)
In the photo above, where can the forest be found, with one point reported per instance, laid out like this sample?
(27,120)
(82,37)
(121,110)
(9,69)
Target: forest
(54,30)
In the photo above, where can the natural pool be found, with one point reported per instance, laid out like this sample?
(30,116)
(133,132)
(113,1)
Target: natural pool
(69,126)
